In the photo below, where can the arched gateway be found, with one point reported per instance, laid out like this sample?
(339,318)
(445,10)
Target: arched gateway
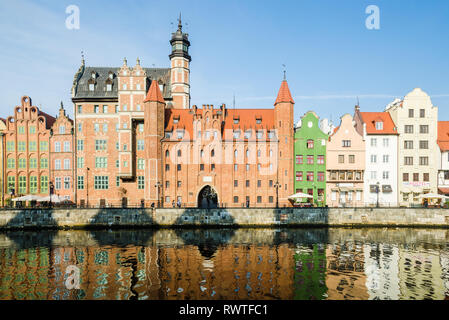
(207,198)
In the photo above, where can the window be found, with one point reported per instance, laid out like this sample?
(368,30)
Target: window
(408,144)
(117,181)
(11,163)
(247,167)
(66,146)
(271,134)
(105,127)
(117,163)
(21,146)
(309,159)
(320,160)
(61,129)
(410,113)
(167,199)
(349,175)
(57,146)
(32,146)
(408,128)
(373,142)
(58,183)
(385,142)
(100,145)
(373,158)
(180,134)
(140,145)
(140,164)
(320,176)
(373,175)
(80,127)
(236,199)
(80,162)
(140,182)
(125,107)
(385,175)
(270,183)
(80,183)
(235,167)
(424,144)
(140,127)
(247,183)
(80,145)
(167,167)
(66,164)
(236,121)
(405,177)
(426,177)
(80,109)
(408,161)
(33,163)
(422,113)
(179,167)
(33,184)
(298,175)
(22,185)
(66,182)
(101,182)
(259,183)
(423,161)
(259,134)
(58,164)
(11,184)
(125,164)
(201,167)
(385,158)
(258,121)
(22,163)
(270,199)
(351,158)
(236,134)
(138,108)
(259,199)
(424,128)
(96,109)
(21,130)
(125,147)
(44,163)
(44,184)
(96,127)
(309,144)
(341,158)
(101,162)
(299,159)
(379,125)
(309,175)
(10,146)
(167,184)
(91,86)
(346,143)
(179,184)
(179,153)
(416,177)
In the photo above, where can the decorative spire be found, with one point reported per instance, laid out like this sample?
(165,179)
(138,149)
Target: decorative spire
(138,61)
(125,62)
(82,58)
(154,93)
(62,106)
(284,72)
(284,94)
(179,22)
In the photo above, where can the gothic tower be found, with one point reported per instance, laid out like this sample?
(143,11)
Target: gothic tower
(180,68)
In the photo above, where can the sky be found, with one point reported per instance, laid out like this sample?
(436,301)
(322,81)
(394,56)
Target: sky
(237,48)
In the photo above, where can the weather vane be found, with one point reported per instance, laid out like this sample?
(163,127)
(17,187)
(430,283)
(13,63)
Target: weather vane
(284,71)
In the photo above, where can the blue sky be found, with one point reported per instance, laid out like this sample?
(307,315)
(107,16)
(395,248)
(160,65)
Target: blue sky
(237,47)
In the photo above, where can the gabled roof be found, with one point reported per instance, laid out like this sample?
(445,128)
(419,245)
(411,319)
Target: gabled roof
(443,135)
(284,94)
(370,119)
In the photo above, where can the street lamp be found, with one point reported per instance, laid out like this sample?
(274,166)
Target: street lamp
(377,190)
(158,185)
(51,191)
(87,187)
(277,185)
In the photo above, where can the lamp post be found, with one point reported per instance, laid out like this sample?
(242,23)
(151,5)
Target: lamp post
(377,190)
(158,185)
(277,185)
(51,191)
(12,194)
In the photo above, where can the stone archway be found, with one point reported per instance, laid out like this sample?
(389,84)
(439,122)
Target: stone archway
(207,198)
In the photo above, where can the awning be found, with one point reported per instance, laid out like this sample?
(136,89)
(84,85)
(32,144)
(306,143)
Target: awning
(444,190)
(29,197)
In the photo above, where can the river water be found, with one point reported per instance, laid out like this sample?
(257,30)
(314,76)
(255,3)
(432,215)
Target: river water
(289,264)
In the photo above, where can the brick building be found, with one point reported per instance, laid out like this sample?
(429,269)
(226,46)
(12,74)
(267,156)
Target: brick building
(138,141)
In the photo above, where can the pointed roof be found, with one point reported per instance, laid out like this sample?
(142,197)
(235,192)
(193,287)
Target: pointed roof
(284,94)
(154,93)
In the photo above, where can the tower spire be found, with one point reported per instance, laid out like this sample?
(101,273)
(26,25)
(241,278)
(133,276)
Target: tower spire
(179,22)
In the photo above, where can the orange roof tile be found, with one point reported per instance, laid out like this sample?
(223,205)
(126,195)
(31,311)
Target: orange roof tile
(370,119)
(443,135)
(154,93)
(284,94)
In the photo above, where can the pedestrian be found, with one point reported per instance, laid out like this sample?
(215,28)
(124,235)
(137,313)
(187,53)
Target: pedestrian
(173,203)
(179,203)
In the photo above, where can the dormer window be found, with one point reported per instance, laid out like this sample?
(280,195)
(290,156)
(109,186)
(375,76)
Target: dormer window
(236,120)
(93,76)
(258,120)
(259,134)
(237,134)
(61,129)
(247,134)
(108,87)
(161,87)
(270,134)
(379,125)
(168,134)
(111,75)
(175,120)
(91,86)
(180,134)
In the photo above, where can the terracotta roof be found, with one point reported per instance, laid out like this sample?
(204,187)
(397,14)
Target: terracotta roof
(248,119)
(370,119)
(284,94)
(443,135)
(154,93)
(443,190)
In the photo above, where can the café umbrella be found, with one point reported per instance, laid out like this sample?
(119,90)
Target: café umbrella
(28,197)
(54,198)
(432,196)
(299,196)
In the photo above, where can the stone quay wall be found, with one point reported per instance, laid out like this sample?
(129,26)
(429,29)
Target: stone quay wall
(235,217)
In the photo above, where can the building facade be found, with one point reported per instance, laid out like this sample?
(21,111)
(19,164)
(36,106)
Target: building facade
(345,165)
(381,157)
(2,162)
(310,155)
(27,140)
(416,119)
(443,160)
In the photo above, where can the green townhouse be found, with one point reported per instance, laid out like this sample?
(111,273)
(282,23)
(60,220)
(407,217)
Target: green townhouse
(310,159)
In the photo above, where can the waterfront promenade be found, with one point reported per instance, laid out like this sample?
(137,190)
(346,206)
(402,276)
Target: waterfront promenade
(223,217)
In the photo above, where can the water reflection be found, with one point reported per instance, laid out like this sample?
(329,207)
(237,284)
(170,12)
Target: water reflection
(227,264)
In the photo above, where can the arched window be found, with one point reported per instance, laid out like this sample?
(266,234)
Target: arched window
(235,153)
(247,153)
(212,153)
(167,153)
(179,153)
